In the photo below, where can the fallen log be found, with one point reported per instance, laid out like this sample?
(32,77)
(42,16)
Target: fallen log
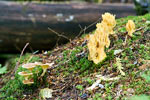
(29,22)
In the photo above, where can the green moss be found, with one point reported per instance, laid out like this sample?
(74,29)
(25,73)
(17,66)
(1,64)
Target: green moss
(97,96)
(79,87)
(89,80)
(140,97)
(146,76)
(14,88)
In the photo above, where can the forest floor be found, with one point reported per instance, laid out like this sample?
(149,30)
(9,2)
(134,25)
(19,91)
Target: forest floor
(72,73)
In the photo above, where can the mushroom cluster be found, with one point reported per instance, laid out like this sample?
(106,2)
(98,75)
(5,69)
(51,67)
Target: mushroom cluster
(28,75)
(100,39)
(130,27)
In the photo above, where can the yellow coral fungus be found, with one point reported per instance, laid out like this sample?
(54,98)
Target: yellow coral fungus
(100,55)
(92,47)
(130,27)
(102,34)
(100,39)
(96,49)
(109,19)
(97,43)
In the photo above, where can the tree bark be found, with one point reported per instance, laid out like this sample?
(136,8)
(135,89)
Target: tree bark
(28,22)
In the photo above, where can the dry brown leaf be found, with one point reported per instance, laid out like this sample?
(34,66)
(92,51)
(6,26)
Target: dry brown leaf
(143,67)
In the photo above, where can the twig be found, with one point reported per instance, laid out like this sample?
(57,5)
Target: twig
(139,29)
(80,31)
(30,59)
(125,40)
(58,41)
(16,67)
(56,45)
(35,52)
(83,30)
(101,78)
(127,35)
(58,34)
(17,48)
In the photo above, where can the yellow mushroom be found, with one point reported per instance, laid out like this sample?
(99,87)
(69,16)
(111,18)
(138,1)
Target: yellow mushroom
(29,66)
(130,27)
(31,81)
(44,67)
(25,74)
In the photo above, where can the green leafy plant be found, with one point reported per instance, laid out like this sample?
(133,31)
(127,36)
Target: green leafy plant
(3,69)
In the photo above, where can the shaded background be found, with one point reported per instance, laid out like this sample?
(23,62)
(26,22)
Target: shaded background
(22,22)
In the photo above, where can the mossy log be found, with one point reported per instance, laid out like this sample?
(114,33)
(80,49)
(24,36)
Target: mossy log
(22,22)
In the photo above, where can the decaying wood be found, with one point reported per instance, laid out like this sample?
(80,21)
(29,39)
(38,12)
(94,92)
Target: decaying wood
(28,22)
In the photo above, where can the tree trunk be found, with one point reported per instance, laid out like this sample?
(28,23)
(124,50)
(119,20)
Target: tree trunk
(28,22)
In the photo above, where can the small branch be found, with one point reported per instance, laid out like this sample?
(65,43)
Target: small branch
(126,33)
(125,42)
(58,41)
(30,59)
(58,34)
(16,67)
(139,29)
(101,78)
(94,85)
(83,30)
